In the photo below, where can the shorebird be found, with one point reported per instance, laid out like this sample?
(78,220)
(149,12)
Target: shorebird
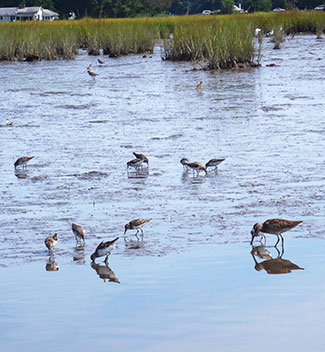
(91,73)
(195,166)
(199,85)
(104,249)
(141,156)
(90,66)
(274,227)
(136,163)
(9,123)
(79,232)
(184,162)
(136,225)
(101,62)
(22,161)
(214,162)
(51,241)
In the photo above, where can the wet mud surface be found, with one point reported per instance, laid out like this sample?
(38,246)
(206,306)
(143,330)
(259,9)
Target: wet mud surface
(267,123)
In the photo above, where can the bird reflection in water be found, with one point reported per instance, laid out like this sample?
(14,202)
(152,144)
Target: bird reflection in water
(188,177)
(272,265)
(51,264)
(79,254)
(105,272)
(21,173)
(134,244)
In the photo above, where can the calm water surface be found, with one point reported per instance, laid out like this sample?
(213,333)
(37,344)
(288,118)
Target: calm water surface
(191,283)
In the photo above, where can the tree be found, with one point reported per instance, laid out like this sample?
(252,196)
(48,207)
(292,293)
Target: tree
(227,6)
(259,5)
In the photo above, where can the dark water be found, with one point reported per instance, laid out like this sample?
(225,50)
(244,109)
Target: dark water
(192,283)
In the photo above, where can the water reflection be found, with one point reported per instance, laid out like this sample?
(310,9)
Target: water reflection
(189,177)
(21,173)
(272,265)
(79,254)
(105,272)
(51,264)
(134,244)
(139,173)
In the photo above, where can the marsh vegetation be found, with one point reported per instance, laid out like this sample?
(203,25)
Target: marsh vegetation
(221,41)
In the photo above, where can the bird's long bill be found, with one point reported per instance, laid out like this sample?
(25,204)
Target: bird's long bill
(253,235)
(125,230)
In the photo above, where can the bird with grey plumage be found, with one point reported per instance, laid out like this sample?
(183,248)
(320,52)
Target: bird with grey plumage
(274,227)
(79,233)
(104,249)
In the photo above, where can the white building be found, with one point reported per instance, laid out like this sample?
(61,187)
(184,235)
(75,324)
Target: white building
(12,14)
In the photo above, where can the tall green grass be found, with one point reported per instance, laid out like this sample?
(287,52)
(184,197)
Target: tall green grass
(224,41)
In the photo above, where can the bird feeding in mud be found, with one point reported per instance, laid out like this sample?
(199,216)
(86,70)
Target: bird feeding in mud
(22,161)
(51,241)
(136,225)
(274,227)
(101,62)
(139,162)
(79,233)
(104,249)
(184,162)
(214,163)
(195,166)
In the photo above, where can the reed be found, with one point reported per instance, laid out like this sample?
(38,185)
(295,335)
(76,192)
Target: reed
(222,41)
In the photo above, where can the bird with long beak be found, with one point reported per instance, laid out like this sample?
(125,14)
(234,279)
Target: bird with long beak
(104,249)
(274,227)
(22,161)
(136,225)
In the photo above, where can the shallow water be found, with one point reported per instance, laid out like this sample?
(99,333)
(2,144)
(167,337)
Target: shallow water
(269,125)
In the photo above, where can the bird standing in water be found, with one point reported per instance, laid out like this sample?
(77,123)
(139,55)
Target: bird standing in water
(104,249)
(274,227)
(22,161)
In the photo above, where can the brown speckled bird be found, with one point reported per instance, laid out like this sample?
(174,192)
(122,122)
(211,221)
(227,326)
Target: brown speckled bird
(101,62)
(22,161)
(104,249)
(51,241)
(135,225)
(79,232)
(274,227)
(195,166)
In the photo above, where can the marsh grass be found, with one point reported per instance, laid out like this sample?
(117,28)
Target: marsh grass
(278,37)
(222,41)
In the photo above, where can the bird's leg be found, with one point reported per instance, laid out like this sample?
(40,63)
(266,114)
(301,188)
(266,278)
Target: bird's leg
(277,240)
(141,231)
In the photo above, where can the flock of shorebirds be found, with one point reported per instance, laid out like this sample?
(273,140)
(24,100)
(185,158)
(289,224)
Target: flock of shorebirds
(104,249)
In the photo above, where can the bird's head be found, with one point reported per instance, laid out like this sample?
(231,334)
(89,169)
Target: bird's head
(126,227)
(92,257)
(55,236)
(255,230)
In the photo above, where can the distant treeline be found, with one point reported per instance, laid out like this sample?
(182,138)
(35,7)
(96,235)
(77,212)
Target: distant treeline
(137,8)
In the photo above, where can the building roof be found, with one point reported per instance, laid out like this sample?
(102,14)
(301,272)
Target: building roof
(8,11)
(50,13)
(28,10)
